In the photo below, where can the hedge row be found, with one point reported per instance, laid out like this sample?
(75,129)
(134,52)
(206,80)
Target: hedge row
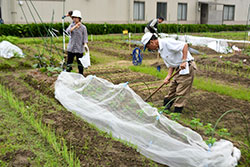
(29,30)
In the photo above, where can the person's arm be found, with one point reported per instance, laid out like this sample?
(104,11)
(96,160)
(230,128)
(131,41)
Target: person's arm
(85,36)
(170,72)
(153,24)
(69,28)
(75,26)
(184,58)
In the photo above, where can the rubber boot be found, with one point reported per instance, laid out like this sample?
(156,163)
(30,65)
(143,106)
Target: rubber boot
(178,109)
(167,104)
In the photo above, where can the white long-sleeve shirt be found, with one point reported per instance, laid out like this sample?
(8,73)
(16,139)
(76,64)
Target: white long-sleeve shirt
(171,52)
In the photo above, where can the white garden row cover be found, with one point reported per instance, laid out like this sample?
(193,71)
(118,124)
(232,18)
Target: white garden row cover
(119,110)
(8,50)
(218,45)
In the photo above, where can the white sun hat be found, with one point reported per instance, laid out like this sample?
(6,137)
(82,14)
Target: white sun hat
(76,13)
(145,38)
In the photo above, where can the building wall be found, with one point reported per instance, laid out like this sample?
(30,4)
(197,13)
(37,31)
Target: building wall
(241,10)
(93,11)
(215,15)
(116,11)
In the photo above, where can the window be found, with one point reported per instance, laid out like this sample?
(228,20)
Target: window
(161,10)
(182,11)
(228,12)
(139,11)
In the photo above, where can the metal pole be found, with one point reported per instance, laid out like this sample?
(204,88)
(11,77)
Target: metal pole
(63,27)
(247,24)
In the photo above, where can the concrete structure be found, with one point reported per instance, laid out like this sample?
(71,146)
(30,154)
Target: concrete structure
(130,11)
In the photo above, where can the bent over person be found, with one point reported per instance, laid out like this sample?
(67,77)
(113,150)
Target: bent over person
(175,55)
(77,42)
(152,26)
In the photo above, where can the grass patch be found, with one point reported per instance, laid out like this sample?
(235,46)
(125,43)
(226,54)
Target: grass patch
(97,58)
(149,70)
(16,62)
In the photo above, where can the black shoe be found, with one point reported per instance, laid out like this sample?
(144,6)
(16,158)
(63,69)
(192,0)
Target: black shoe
(178,109)
(167,103)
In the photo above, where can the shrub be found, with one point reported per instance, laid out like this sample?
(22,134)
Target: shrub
(38,30)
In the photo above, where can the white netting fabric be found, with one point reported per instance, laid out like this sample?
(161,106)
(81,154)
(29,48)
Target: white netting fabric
(118,109)
(218,45)
(8,50)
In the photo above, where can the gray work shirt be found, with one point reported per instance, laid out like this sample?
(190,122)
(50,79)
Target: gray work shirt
(78,37)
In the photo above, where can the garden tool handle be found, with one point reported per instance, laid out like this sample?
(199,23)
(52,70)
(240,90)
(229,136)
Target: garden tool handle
(162,85)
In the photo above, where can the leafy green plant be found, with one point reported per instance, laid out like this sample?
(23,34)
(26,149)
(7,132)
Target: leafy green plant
(223,132)
(162,110)
(208,129)
(151,104)
(211,140)
(175,116)
(228,62)
(195,122)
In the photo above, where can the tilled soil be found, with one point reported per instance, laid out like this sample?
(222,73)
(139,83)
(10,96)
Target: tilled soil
(92,148)
(124,54)
(207,106)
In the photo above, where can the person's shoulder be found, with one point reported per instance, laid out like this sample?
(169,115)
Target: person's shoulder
(166,40)
(172,40)
(82,25)
(72,24)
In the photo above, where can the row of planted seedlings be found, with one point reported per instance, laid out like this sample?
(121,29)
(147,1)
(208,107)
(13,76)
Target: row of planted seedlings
(225,66)
(33,118)
(226,69)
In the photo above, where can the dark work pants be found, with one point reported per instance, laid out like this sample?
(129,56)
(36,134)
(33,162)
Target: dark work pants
(71,59)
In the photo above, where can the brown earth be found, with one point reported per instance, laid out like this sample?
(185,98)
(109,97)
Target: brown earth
(239,59)
(232,62)
(201,104)
(124,54)
(19,158)
(204,50)
(205,105)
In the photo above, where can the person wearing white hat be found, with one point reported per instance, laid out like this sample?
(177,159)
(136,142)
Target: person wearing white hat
(175,55)
(77,42)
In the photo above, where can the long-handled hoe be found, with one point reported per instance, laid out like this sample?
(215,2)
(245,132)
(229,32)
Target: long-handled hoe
(162,85)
